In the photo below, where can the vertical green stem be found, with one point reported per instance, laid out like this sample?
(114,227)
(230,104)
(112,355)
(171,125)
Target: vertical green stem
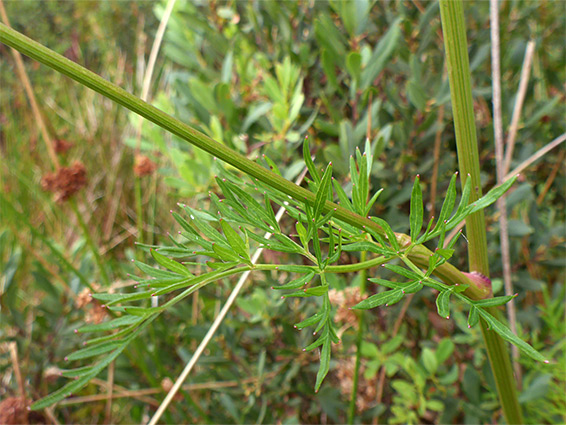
(139,210)
(90,243)
(359,340)
(455,42)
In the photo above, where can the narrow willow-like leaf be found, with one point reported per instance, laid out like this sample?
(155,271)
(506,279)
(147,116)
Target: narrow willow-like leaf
(432,283)
(453,240)
(337,250)
(94,351)
(354,174)
(459,287)
(325,219)
(160,283)
(342,197)
(272,165)
(315,344)
(473,317)
(317,291)
(372,201)
(110,325)
(138,311)
(509,336)
(235,241)
(184,224)
(491,196)
(389,284)
(413,287)
(464,200)
(366,246)
(198,240)
(449,200)
(441,233)
(363,186)
(443,304)
(322,193)
(252,207)
(309,163)
(402,271)
(380,240)
(113,336)
(229,195)
(445,253)
(269,209)
(274,245)
(324,363)
(225,254)
(170,264)
(110,299)
(417,211)
(153,272)
(388,297)
(388,232)
(76,373)
(297,283)
(313,320)
(221,266)
(227,211)
(493,302)
(75,385)
(426,234)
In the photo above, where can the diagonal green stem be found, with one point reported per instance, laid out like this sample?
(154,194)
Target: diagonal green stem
(454,31)
(34,50)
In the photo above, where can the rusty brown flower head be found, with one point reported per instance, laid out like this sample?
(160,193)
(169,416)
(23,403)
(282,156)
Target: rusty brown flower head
(62,145)
(143,166)
(65,182)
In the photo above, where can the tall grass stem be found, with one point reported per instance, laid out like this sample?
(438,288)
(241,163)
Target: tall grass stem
(454,30)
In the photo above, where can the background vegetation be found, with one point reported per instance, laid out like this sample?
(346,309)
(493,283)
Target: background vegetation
(258,77)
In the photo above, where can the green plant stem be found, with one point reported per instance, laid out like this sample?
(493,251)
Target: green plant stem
(90,243)
(80,74)
(454,32)
(359,340)
(139,210)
